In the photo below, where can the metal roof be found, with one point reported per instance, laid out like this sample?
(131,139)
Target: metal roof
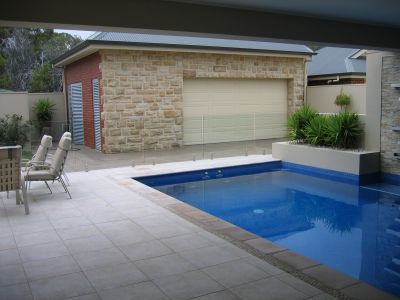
(183,41)
(333,60)
(120,39)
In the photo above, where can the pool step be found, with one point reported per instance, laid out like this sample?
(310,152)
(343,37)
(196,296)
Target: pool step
(396,261)
(393,231)
(393,269)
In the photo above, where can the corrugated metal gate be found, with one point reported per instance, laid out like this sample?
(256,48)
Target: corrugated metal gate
(96,114)
(76,112)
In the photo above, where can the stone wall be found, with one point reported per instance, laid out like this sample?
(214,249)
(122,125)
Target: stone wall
(390,140)
(142,91)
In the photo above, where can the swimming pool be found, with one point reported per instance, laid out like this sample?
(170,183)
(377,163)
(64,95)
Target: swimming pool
(350,228)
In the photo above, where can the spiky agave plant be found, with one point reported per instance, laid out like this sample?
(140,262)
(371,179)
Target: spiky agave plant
(344,130)
(315,131)
(298,121)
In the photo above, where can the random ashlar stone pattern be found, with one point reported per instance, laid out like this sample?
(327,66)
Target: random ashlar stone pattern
(390,140)
(142,91)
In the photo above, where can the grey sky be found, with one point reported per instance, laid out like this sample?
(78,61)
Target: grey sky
(82,34)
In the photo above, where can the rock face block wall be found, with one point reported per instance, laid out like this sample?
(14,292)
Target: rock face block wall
(390,140)
(142,91)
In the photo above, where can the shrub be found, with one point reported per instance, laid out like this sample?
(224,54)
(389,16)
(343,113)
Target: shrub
(13,131)
(342,100)
(44,110)
(299,120)
(315,131)
(343,130)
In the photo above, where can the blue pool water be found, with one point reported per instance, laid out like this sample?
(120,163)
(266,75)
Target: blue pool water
(353,229)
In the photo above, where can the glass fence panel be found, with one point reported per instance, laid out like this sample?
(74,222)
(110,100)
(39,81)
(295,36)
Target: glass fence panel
(152,140)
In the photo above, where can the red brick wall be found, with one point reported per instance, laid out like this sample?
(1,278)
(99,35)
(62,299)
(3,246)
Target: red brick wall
(85,70)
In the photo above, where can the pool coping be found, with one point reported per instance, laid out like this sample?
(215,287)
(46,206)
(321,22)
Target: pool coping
(314,273)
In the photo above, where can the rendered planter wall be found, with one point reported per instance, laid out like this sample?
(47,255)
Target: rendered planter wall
(346,161)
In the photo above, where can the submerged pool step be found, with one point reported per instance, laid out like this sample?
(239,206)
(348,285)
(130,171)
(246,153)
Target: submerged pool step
(393,232)
(396,261)
(393,268)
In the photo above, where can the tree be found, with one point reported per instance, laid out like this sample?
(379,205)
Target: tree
(41,81)
(26,56)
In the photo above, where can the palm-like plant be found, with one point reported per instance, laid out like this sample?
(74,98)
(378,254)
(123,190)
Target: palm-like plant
(44,110)
(343,130)
(315,131)
(298,121)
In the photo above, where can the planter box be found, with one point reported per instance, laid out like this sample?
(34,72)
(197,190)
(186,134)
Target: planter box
(345,161)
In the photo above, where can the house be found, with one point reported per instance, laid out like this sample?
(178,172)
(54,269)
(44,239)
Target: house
(333,71)
(333,66)
(131,91)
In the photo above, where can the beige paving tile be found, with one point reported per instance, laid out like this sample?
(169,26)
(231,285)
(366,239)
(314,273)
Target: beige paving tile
(186,242)
(12,274)
(298,284)
(100,258)
(235,273)
(56,266)
(222,295)
(164,266)
(22,228)
(34,238)
(188,285)
(145,250)
(18,291)
(208,256)
(162,231)
(145,290)
(266,289)
(91,243)
(7,242)
(113,276)
(43,251)
(9,257)
(86,297)
(105,217)
(77,232)
(61,287)
(70,222)
(322,297)
(263,265)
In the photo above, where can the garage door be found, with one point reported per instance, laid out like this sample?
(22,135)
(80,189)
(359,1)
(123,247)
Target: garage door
(225,110)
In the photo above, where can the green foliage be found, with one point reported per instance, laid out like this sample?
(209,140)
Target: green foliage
(27,54)
(315,131)
(343,130)
(44,110)
(13,130)
(343,100)
(41,81)
(298,121)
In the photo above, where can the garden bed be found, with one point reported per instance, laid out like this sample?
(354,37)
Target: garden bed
(355,162)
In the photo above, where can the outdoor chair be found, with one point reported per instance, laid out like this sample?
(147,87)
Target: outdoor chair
(46,164)
(10,174)
(40,156)
(54,170)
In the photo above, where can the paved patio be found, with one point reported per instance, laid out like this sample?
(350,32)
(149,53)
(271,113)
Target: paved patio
(117,239)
